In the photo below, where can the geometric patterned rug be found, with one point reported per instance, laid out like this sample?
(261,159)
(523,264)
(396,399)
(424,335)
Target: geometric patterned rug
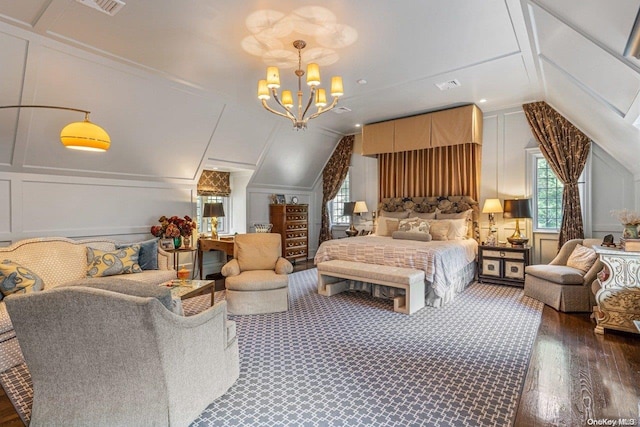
(351,360)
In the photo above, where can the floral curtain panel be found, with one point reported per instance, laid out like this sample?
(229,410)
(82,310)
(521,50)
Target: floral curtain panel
(332,176)
(448,170)
(214,183)
(566,150)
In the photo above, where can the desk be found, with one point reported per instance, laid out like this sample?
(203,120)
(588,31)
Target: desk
(225,245)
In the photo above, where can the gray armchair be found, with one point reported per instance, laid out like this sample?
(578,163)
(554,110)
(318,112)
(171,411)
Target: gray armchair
(256,279)
(102,358)
(561,287)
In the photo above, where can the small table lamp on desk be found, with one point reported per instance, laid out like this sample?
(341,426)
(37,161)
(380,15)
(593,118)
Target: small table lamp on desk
(213,211)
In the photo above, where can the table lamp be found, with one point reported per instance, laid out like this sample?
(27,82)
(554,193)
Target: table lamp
(213,211)
(492,207)
(348,211)
(517,209)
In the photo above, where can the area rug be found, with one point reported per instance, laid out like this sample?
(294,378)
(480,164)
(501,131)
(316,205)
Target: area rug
(349,360)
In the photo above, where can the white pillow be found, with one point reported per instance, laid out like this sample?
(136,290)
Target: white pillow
(386,226)
(439,230)
(456,228)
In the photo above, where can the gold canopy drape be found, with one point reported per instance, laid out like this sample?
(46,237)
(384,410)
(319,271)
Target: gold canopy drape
(452,170)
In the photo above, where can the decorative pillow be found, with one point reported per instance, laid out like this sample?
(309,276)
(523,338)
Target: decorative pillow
(582,258)
(439,230)
(424,215)
(398,214)
(109,263)
(415,225)
(457,228)
(148,256)
(410,235)
(15,278)
(467,215)
(386,226)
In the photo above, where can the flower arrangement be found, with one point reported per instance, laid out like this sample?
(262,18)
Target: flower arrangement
(626,217)
(174,227)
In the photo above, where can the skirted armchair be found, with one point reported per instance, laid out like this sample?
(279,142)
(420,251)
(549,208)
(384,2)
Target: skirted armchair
(560,286)
(256,279)
(103,358)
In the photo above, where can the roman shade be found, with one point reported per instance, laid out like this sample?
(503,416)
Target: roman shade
(214,183)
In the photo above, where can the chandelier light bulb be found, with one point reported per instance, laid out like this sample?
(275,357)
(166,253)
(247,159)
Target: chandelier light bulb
(313,74)
(273,77)
(321,98)
(263,90)
(336,86)
(287,98)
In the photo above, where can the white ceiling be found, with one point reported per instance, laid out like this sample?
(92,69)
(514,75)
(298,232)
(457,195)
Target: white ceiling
(171,83)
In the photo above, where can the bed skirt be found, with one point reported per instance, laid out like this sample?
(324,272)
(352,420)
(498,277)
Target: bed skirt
(462,278)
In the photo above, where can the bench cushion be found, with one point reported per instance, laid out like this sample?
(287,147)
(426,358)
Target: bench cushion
(386,273)
(559,274)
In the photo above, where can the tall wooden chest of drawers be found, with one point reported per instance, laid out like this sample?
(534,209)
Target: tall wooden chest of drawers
(291,222)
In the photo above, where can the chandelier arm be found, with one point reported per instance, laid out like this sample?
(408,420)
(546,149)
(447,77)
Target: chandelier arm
(288,114)
(321,111)
(268,108)
(55,107)
(311,98)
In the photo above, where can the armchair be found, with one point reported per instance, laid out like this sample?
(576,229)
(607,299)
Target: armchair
(102,358)
(256,279)
(562,287)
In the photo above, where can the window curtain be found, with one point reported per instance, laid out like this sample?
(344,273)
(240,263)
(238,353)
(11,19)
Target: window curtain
(332,176)
(214,183)
(453,170)
(566,149)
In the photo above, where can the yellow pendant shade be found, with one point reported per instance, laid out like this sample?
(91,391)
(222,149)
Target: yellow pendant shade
(313,74)
(321,98)
(85,136)
(263,90)
(336,86)
(287,98)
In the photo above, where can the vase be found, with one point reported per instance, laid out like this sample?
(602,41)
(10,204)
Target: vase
(177,242)
(630,231)
(186,242)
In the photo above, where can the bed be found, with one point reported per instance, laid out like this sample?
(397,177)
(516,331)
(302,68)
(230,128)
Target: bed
(449,265)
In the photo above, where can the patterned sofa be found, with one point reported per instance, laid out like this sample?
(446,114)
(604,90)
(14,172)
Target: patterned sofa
(58,261)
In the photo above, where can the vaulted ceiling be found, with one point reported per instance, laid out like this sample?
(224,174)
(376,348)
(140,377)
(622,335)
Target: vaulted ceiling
(173,85)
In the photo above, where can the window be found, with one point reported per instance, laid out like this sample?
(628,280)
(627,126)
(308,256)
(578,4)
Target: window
(204,225)
(547,200)
(336,206)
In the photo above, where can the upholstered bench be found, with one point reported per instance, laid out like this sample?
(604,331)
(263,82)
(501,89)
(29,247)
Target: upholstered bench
(411,280)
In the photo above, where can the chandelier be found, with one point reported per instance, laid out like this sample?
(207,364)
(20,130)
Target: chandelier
(318,96)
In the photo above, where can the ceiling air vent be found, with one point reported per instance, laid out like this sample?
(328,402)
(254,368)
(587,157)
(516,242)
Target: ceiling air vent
(340,110)
(448,84)
(110,7)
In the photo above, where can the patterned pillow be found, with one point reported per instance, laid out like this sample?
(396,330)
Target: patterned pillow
(582,258)
(148,256)
(121,261)
(414,225)
(15,278)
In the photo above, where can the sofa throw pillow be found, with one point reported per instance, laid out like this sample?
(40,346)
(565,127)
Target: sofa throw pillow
(110,263)
(439,230)
(582,258)
(15,278)
(148,256)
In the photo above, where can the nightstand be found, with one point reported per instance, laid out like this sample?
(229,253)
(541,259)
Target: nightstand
(502,265)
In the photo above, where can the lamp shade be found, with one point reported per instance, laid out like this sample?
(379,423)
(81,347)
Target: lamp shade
(212,210)
(360,207)
(85,136)
(492,206)
(348,208)
(263,90)
(517,208)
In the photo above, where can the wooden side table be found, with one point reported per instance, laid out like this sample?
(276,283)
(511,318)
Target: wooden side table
(503,265)
(224,244)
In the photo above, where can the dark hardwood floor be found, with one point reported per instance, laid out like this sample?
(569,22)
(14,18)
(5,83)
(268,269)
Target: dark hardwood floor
(574,374)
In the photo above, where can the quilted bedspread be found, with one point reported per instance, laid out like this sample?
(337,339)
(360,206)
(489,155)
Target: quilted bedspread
(439,260)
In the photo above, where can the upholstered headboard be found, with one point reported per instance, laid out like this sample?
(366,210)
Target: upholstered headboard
(444,204)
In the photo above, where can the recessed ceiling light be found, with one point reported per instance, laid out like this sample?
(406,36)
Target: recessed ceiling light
(361,81)
(482,101)
(358,125)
